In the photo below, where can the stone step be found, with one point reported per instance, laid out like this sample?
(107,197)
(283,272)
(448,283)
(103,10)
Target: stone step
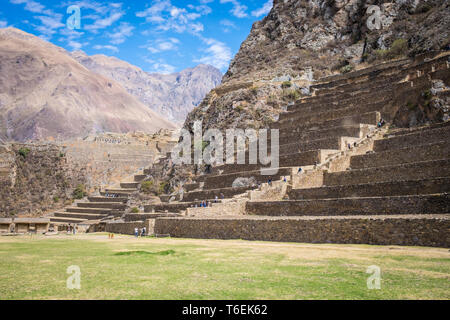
(331,114)
(129,185)
(89,210)
(107,199)
(436,151)
(365,118)
(188,187)
(132,217)
(212,193)
(66,220)
(290,160)
(410,230)
(393,188)
(414,139)
(121,192)
(364,83)
(408,171)
(101,205)
(356,95)
(174,207)
(419,204)
(332,143)
(401,132)
(356,131)
(335,81)
(140,177)
(226,180)
(82,216)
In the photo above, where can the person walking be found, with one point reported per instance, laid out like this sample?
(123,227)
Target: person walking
(136,232)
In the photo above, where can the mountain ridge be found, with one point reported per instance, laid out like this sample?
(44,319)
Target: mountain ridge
(46,94)
(172,95)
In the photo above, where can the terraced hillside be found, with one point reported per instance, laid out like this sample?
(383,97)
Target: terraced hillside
(359,183)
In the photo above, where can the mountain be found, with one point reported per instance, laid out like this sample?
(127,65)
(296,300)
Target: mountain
(173,95)
(45,93)
(326,35)
(303,40)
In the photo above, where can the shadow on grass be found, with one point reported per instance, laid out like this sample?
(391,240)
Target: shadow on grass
(143,253)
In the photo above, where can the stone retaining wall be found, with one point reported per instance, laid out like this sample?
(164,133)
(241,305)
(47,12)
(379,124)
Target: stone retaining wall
(125,227)
(380,231)
(429,204)
(414,171)
(395,188)
(402,156)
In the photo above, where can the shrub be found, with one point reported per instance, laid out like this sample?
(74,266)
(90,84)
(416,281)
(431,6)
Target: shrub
(24,152)
(427,94)
(398,48)
(162,188)
(292,94)
(135,210)
(423,8)
(147,187)
(346,69)
(286,85)
(79,192)
(239,108)
(55,199)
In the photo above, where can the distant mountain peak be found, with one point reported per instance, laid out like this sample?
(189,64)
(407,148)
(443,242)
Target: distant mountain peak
(172,95)
(45,93)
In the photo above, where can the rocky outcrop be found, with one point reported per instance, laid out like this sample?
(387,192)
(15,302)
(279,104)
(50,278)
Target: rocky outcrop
(38,179)
(173,95)
(45,94)
(324,34)
(302,41)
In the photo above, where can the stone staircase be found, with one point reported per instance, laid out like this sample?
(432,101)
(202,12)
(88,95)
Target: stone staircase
(360,184)
(110,204)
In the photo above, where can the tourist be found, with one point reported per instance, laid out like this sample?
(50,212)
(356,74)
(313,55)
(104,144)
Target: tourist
(270,182)
(216,199)
(299,171)
(285,179)
(222,196)
(136,232)
(144,231)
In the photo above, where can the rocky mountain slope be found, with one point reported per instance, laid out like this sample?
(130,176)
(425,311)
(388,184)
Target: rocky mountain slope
(44,94)
(300,41)
(173,95)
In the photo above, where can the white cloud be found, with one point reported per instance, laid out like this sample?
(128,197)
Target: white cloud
(239,10)
(49,25)
(3,24)
(107,47)
(228,25)
(264,10)
(50,21)
(105,22)
(160,45)
(168,17)
(202,9)
(217,54)
(75,45)
(160,67)
(120,33)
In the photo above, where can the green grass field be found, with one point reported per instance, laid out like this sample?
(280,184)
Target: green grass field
(128,268)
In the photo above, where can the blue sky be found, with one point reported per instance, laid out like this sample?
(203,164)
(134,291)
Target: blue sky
(157,35)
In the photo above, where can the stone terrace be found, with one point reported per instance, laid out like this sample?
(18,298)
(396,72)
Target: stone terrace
(360,184)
